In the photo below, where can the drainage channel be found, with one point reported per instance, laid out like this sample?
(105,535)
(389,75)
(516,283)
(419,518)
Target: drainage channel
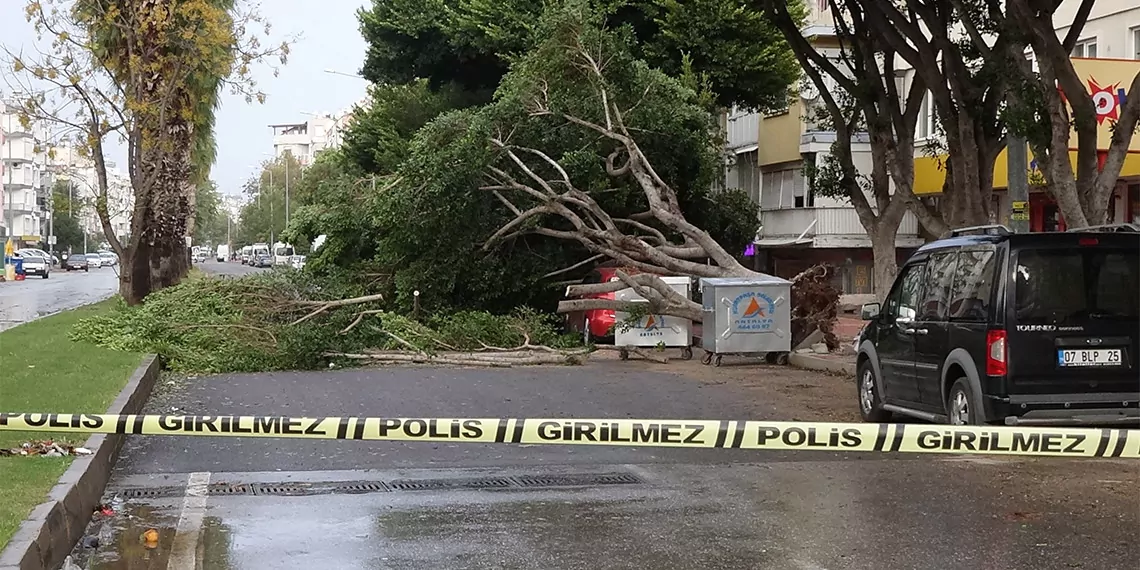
(291,489)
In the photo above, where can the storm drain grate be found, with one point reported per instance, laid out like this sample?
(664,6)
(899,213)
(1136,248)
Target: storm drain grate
(229,489)
(577,480)
(151,492)
(286,489)
(434,484)
(360,487)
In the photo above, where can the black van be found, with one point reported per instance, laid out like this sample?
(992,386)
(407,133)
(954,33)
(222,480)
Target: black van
(1023,329)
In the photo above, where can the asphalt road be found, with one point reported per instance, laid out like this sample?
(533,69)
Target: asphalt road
(35,297)
(383,505)
(228,268)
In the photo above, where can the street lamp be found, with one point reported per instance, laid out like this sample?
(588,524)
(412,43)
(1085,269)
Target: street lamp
(286,185)
(335,72)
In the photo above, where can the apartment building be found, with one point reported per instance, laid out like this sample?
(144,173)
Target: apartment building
(22,194)
(766,155)
(305,139)
(66,165)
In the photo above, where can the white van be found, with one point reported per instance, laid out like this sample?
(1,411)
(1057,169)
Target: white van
(282,253)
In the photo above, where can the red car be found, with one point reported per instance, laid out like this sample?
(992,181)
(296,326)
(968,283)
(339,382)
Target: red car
(598,322)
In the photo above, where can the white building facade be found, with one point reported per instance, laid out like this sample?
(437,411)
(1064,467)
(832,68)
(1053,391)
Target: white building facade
(22,198)
(78,172)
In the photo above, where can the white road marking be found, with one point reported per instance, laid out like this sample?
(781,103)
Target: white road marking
(184,552)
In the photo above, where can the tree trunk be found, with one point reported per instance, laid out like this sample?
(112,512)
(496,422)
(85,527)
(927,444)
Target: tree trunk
(885,258)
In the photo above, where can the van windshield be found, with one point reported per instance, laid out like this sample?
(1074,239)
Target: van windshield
(1059,285)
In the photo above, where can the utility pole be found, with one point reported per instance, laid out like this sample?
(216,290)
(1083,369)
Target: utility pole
(1018,183)
(287,189)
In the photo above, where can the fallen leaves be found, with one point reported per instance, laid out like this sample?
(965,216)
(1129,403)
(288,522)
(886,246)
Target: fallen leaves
(46,448)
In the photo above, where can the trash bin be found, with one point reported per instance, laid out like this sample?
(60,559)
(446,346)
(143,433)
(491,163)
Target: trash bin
(652,329)
(746,316)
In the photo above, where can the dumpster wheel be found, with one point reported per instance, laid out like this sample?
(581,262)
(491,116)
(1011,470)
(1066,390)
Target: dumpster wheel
(707,358)
(718,359)
(687,353)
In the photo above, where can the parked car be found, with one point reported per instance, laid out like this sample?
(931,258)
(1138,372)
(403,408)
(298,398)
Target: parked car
(597,323)
(262,259)
(1022,329)
(40,253)
(94,260)
(75,262)
(36,265)
(108,258)
(297,261)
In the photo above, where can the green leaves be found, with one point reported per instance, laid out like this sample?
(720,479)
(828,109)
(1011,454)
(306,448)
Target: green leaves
(471,43)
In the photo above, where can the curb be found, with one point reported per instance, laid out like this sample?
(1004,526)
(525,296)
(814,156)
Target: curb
(809,362)
(46,537)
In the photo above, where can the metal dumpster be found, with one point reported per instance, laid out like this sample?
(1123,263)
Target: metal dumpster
(653,330)
(746,316)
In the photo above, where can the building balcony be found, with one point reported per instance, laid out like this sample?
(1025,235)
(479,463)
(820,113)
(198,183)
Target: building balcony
(742,131)
(831,227)
(22,149)
(813,141)
(20,176)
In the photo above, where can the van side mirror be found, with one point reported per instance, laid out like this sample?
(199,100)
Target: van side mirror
(869,311)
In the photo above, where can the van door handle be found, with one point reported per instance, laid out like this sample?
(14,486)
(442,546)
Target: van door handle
(909,331)
(921,331)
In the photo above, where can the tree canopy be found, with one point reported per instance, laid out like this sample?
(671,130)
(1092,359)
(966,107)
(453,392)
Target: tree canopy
(409,195)
(471,43)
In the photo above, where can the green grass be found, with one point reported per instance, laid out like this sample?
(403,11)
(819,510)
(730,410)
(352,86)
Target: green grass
(41,370)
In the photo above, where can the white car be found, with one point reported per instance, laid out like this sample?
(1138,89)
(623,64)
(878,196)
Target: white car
(94,260)
(36,265)
(108,258)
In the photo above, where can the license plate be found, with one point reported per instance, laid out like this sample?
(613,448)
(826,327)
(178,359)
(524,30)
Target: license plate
(1090,357)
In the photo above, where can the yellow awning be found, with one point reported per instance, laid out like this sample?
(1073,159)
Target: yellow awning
(930,173)
(1105,80)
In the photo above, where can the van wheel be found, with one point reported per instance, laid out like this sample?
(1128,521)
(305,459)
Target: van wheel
(962,405)
(870,402)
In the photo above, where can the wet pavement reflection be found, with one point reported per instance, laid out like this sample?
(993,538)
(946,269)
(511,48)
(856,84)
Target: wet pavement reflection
(34,297)
(811,515)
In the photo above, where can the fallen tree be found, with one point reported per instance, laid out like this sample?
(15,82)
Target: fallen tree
(548,86)
(290,321)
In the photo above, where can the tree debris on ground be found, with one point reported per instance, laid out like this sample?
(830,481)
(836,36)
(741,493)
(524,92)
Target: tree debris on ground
(44,449)
(289,320)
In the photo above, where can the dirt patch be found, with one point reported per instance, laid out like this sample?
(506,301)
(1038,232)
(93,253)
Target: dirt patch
(794,394)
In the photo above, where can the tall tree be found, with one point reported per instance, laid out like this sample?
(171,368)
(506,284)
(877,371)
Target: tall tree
(471,43)
(861,93)
(141,69)
(1083,197)
(969,77)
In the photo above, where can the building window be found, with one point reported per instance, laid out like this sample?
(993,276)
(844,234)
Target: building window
(784,189)
(925,128)
(1136,43)
(1085,48)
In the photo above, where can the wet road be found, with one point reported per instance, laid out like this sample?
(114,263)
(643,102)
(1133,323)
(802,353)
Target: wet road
(35,297)
(225,503)
(228,268)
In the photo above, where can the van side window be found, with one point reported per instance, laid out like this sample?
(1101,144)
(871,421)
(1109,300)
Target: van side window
(939,276)
(903,300)
(973,283)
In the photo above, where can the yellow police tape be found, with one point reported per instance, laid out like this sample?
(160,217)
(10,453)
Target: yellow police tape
(729,434)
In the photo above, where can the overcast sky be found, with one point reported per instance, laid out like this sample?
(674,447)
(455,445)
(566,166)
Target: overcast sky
(330,39)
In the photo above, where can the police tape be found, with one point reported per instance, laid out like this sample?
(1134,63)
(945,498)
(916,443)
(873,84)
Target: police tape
(718,434)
